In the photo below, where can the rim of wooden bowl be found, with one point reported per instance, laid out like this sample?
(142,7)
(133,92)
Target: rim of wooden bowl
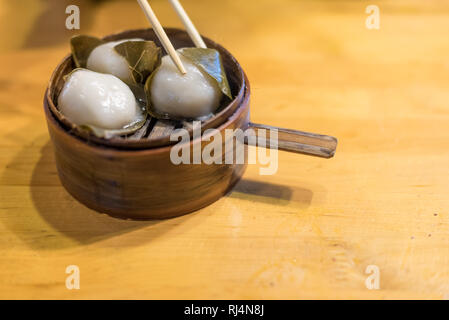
(107,150)
(67,65)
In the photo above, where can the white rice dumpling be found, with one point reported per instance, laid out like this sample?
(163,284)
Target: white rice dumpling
(99,100)
(193,95)
(105,59)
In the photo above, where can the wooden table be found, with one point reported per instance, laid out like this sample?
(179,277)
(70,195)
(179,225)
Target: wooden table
(309,231)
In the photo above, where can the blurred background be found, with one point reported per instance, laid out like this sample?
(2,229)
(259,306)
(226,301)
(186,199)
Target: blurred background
(303,44)
(305,47)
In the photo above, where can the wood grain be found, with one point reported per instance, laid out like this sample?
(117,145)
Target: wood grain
(311,230)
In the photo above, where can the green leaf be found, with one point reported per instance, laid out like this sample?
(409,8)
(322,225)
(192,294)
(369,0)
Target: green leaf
(209,61)
(142,56)
(82,46)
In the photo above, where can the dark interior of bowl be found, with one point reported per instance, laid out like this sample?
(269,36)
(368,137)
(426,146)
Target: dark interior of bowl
(154,133)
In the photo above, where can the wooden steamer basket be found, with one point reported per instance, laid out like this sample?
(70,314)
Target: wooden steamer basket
(133,177)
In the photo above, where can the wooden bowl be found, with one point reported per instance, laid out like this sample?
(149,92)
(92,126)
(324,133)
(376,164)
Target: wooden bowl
(135,178)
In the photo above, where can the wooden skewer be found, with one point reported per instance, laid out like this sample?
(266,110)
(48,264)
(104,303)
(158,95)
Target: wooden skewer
(288,140)
(161,34)
(188,24)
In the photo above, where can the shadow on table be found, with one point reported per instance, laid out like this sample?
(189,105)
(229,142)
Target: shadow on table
(265,192)
(74,223)
(62,222)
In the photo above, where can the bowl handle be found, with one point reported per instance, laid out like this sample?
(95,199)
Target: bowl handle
(293,141)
